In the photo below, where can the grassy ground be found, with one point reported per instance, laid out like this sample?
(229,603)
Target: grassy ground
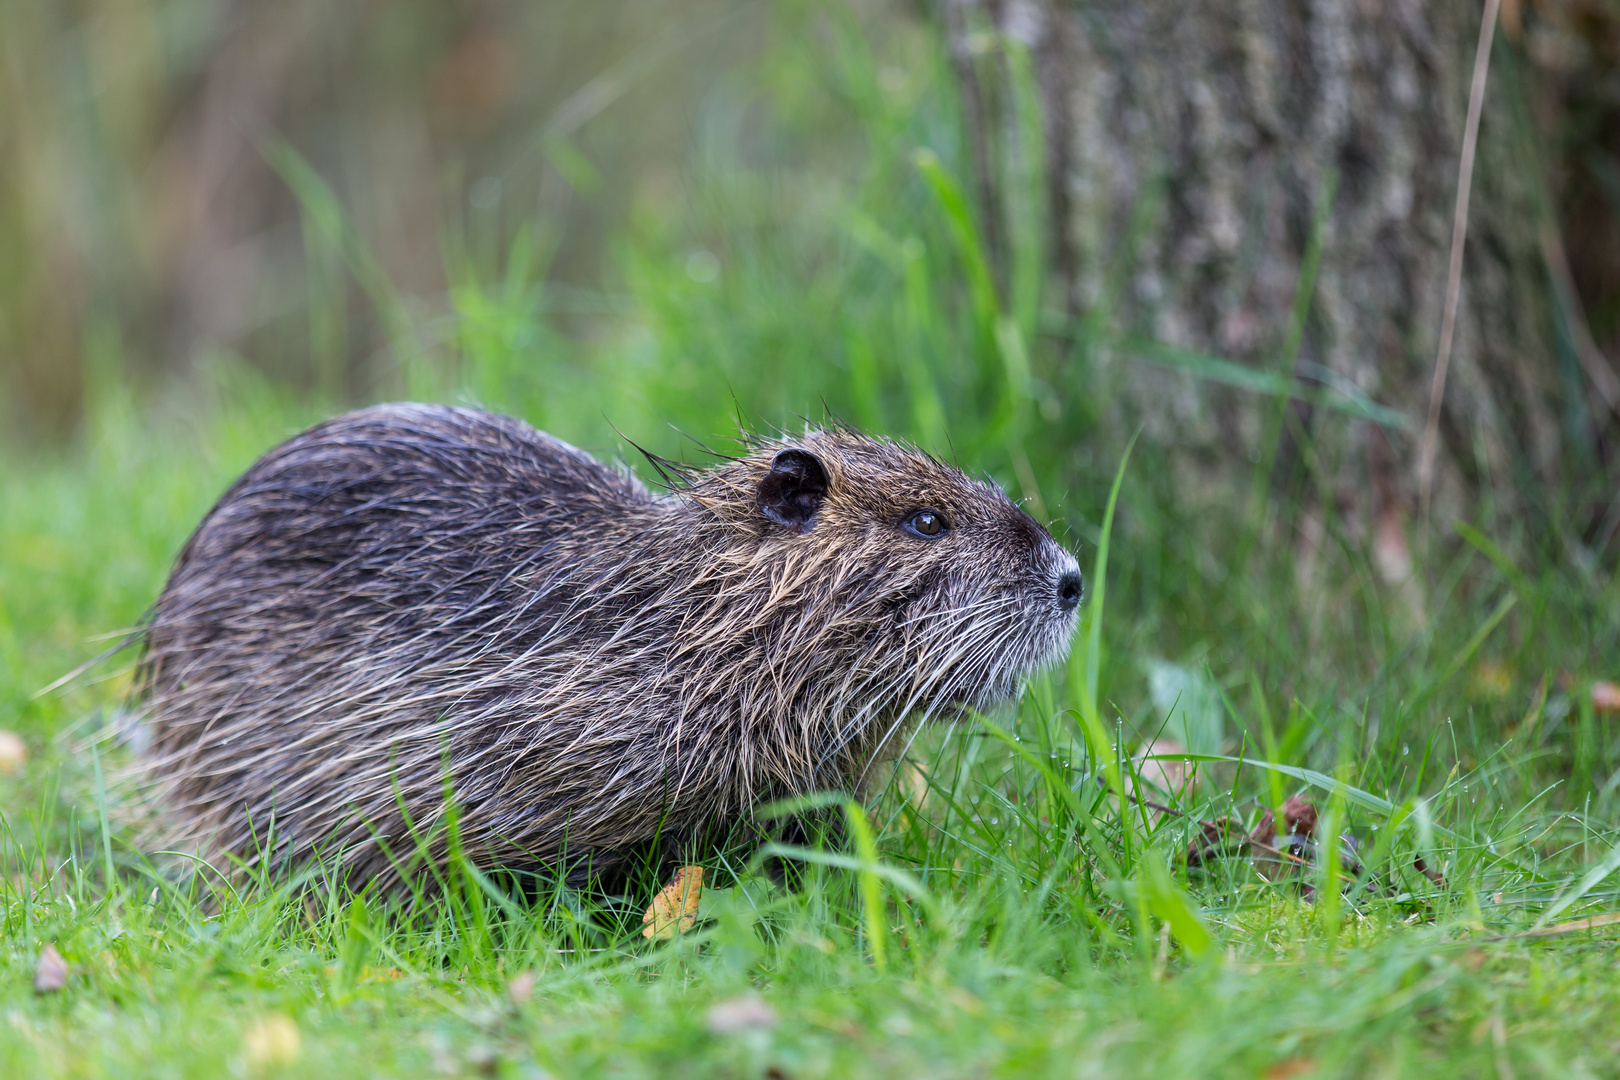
(1009,919)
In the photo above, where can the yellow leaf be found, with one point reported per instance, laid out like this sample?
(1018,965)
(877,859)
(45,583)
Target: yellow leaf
(675,908)
(271,1041)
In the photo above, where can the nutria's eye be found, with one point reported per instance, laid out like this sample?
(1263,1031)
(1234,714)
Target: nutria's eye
(925,523)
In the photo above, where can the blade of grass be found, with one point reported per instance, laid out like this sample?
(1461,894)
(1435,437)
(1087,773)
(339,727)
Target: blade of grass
(101,814)
(1092,726)
(1589,881)
(1257,380)
(1486,547)
(1171,903)
(877,922)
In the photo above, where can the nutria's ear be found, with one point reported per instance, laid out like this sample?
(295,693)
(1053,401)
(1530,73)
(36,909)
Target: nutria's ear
(791,492)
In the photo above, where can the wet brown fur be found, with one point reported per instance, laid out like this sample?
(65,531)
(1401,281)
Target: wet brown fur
(408,592)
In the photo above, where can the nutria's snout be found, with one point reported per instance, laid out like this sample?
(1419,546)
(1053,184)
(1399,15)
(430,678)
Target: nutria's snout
(1068,590)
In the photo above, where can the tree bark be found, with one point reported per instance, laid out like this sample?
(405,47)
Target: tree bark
(1190,148)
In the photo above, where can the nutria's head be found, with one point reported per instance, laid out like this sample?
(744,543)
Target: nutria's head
(889,583)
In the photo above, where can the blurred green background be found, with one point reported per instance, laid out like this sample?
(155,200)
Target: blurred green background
(344,197)
(221,220)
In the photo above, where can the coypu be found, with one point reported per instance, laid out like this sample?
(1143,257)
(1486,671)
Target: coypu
(410,596)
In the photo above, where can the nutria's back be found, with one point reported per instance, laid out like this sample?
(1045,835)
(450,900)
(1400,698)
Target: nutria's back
(410,593)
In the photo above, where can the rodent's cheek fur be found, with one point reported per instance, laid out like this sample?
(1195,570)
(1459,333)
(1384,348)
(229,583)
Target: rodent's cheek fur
(988,629)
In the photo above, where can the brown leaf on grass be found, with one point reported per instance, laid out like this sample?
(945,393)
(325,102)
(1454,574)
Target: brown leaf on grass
(1299,829)
(1605,696)
(1300,817)
(1268,859)
(1218,837)
(1279,857)
(13,753)
(1274,862)
(675,908)
(50,971)
(1288,1068)
(1276,858)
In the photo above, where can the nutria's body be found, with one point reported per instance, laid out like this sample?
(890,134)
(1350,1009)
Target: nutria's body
(412,590)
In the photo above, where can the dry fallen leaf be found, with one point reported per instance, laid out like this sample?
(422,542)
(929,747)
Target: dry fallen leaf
(675,908)
(1223,836)
(1606,696)
(1573,926)
(1300,817)
(13,753)
(271,1041)
(50,972)
(740,1014)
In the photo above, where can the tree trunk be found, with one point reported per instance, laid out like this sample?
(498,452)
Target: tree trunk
(1195,152)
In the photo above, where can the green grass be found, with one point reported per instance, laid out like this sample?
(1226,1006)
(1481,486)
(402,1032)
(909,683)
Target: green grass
(1000,912)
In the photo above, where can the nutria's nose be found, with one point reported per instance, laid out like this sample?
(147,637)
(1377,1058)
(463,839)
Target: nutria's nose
(1068,590)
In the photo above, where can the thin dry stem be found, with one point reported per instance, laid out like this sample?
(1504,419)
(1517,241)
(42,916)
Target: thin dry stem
(1459,234)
